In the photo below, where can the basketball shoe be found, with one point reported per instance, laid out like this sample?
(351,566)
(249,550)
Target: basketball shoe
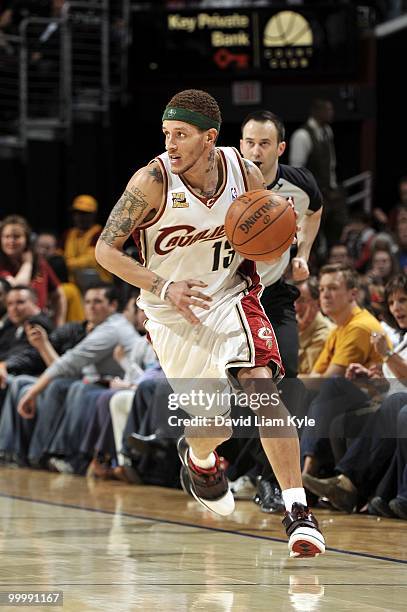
(305,537)
(208,486)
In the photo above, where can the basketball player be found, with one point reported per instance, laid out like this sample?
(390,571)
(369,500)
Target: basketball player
(262,142)
(202,299)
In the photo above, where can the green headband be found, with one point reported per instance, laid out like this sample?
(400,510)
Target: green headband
(183,114)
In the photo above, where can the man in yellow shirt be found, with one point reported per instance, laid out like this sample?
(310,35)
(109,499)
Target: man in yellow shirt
(349,342)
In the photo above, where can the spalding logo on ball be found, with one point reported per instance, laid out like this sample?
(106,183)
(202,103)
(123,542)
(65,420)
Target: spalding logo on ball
(260,225)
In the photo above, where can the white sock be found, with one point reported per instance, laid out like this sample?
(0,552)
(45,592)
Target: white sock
(290,496)
(205,464)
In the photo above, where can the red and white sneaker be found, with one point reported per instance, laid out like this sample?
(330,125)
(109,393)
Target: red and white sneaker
(305,537)
(209,487)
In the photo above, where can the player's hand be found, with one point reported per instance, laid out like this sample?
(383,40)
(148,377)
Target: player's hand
(182,296)
(299,267)
(26,406)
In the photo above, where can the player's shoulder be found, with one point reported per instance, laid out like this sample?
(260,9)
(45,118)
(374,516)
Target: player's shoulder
(147,188)
(235,157)
(151,176)
(252,173)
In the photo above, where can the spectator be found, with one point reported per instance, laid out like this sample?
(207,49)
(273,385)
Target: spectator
(349,342)
(15,433)
(46,246)
(365,462)
(4,289)
(105,430)
(64,338)
(383,267)
(339,254)
(313,327)
(391,494)
(358,235)
(19,265)
(17,356)
(401,236)
(92,358)
(312,146)
(80,241)
(368,457)
(70,440)
(383,241)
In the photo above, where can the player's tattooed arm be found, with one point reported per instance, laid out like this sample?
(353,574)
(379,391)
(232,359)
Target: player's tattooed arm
(142,198)
(157,285)
(156,174)
(129,212)
(139,203)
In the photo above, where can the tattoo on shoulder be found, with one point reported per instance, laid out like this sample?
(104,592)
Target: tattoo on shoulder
(127,213)
(156,174)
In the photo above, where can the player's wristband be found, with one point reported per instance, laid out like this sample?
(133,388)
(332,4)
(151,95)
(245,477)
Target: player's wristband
(164,289)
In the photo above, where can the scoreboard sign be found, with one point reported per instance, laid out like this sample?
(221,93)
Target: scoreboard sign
(318,40)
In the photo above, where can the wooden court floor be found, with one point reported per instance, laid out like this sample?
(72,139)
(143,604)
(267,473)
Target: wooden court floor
(114,547)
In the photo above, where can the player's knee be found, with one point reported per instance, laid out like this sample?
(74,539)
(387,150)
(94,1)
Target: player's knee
(256,382)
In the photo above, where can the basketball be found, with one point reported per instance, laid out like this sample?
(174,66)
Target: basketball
(260,225)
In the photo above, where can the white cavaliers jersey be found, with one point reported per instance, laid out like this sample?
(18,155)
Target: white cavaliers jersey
(187,240)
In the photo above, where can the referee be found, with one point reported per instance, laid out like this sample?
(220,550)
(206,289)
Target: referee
(263,143)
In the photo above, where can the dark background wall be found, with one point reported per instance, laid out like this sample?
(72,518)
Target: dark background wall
(391,153)
(369,130)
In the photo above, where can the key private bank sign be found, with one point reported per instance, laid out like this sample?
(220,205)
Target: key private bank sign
(317,40)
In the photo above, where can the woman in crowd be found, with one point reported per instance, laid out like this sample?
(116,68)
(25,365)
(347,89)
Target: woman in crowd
(19,265)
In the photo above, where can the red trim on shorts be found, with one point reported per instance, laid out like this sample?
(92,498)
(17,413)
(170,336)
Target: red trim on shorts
(261,330)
